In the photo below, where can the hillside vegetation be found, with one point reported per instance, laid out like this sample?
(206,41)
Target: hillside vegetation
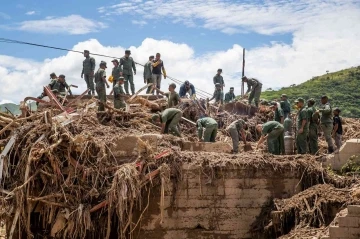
(15,109)
(342,88)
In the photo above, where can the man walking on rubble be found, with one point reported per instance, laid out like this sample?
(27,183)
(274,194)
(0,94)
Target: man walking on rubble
(148,75)
(235,129)
(116,71)
(218,94)
(128,66)
(119,94)
(207,129)
(187,88)
(230,96)
(172,95)
(285,105)
(88,72)
(219,79)
(158,66)
(326,122)
(254,87)
(273,132)
(100,81)
(301,126)
(169,120)
(278,112)
(313,122)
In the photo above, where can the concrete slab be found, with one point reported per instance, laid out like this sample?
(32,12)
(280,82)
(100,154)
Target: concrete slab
(218,147)
(348,149)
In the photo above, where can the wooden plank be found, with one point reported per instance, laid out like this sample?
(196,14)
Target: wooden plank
(5,152)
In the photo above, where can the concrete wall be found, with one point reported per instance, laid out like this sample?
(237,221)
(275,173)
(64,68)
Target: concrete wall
(348,225)
(348,149)
(215,208)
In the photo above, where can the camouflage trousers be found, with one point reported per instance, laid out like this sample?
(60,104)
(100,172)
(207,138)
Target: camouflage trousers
(327,129)
(234,133)
(148,91)
(119,104)
(129,79)
(210,133)
(101,92)
(172,125)
(89,82)
(313,139)
(255,94)
(301,140)
(275,141)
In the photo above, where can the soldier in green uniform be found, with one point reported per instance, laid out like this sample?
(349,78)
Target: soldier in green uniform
(278,112)
(88,71)
(128,66)
(207,129)
(230,96)
(169,120)
(326,122)
(100,80)
(273,132)
(301,126)
(218,94)
(148,74)
(313,119)
(53,80)
(285,105)
(234,129)
(116,71)
(119,94)
(219,79)
(172,95)
(254,86)
(62,86)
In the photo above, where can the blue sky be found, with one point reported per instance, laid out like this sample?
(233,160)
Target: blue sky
(287,42)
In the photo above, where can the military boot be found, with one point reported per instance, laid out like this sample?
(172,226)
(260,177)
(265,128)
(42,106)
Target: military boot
(89,92)
(330,150)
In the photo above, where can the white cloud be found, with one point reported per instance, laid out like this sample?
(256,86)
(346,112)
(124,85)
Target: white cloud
(73,25)
(141,22)
(30,13)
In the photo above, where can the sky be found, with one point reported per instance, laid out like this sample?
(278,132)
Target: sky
(287,42)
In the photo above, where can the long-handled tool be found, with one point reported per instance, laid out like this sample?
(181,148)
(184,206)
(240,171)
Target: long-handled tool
(67,91)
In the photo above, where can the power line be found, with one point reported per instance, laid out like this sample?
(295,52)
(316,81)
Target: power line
(5,40)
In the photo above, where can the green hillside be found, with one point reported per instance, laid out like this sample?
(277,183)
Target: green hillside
(15,109)
(342,88)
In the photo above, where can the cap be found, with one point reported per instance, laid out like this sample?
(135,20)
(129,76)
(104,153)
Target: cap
(151,57)
(312,100)
(127,52)
(155,117)
(217,84)
(173,85)
(324,97)
(273,103)
(284,95)
(337,109)
(244,77)
(299,100)
(62,76)
(219,70)
(52,74)
(187,82)
(121,78)
(231,88)
(103,63)
(115,60)
(86,51)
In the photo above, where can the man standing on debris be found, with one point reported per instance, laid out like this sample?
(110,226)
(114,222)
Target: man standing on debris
(207,129)
(169,120)
(148,75)
(230,96)
(219,79)
(278,112)
(100,80)
(326,122)
(337,131)
(301,123)
(254,86)
(187,88)
(128,66)
(63,86)
(119,94)
(234,129)
(218,94)
(88,71)
(313,122)
(116,71)
(172,95)
(285,105)
(273,132)
(158,65)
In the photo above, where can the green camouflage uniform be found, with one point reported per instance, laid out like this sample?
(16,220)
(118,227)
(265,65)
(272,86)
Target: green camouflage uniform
(128,65)
(327,124)
(218,96)
(148,75)
(100,87)
(278,114)
(234,128)
(286,107)
(171,118)
(173,99)
(275,139)
(313,130)
(254,86)
(88,68)
(210,130)
(301,138)
(119,93)
(229,97)
(116,74)
(218,79)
